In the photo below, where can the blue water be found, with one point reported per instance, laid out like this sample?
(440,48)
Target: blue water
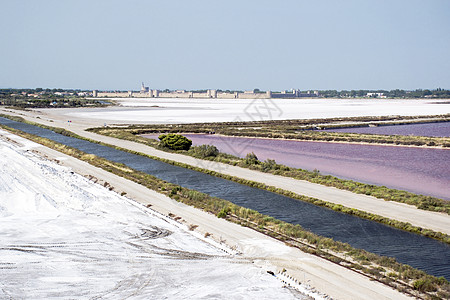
(420,252)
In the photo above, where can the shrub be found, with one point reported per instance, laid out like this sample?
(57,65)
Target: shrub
(269,165)
(315,173)
(251,159)
(424,285)
(174,141)
(203,151)
(223,213)
(174,191)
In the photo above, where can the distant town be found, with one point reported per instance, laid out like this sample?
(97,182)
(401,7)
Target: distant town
(146,92)
(40,97)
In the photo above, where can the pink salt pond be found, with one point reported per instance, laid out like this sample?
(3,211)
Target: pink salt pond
(418,170)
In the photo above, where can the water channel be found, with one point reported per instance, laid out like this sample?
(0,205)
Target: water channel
(420,252)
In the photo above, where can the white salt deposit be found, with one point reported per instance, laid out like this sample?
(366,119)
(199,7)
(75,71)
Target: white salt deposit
(65,237)
(145,110)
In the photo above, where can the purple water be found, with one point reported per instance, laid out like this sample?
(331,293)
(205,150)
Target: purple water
(418,170)
(426,129)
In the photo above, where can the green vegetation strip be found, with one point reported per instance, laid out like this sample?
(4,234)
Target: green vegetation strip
(297,130)
(270,166)
(383,269)
(326,136)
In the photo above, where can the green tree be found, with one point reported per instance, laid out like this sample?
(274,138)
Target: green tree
(174,141)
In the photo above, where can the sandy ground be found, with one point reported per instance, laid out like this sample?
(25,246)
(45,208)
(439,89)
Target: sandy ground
(263,251)
(436,221)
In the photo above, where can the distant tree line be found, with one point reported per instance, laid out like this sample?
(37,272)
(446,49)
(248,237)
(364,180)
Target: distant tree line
(419,93)
(50,102)
(7,91)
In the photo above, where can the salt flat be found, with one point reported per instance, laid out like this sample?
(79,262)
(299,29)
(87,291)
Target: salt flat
(65,237)
(159,110)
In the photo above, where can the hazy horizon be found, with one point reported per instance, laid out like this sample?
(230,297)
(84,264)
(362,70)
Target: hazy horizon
(137,89)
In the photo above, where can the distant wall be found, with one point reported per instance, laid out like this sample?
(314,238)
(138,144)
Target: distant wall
(141,95)
(113,94)
(210,94)
(201,95)
(226,96)
(252,96)
(281,95)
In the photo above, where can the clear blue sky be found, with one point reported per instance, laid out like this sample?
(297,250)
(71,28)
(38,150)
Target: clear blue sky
(246,44)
